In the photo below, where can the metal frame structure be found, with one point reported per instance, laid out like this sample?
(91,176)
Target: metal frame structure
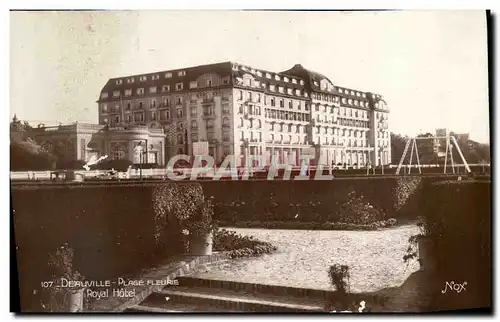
(451,143)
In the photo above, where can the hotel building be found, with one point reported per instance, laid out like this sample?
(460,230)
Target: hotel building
(240,110)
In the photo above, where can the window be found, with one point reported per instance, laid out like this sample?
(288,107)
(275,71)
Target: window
(272,88)
(344,100)
(140,105)
(181,73)
(153,116)
(130,80)
(104,95)
(140,91)
(128,92)
(193,111)
(349,101)
(194,137)
(119,82)
(143,78)
(268,75)
(272,101)
(116,93)
(225,80)
(225,109)
(179,86)
(281,89)
(225,122)
(153,103)
(155,77)
(194,125)
(104,108)
(209,82)
(152,89)
(352,93)
(165,88)
(282,103)
(128,106)
(277,77)
(168,75)
(193,84)
(179,100)
(180,113)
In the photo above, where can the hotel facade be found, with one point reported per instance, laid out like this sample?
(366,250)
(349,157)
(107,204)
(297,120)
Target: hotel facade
(244,111)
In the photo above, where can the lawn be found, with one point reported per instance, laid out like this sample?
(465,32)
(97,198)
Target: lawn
(303,257)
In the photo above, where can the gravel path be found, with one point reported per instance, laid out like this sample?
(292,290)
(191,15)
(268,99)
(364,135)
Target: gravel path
(303,257)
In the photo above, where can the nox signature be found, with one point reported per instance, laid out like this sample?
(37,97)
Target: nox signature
(457,287)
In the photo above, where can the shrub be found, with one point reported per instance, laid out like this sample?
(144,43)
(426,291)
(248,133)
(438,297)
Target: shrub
(240,246)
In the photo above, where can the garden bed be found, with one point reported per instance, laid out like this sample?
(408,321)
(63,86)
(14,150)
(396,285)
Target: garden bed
(310,225)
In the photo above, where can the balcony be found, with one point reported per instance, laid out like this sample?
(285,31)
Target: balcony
(208,116)
(178,103)
(193,101)
(248,116)
(208,101)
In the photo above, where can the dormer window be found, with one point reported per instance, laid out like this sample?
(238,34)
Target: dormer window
(301,82)
(268,75)
(168,75)
(181,73)
(116,93)
(130,80)
(140,91)
(285,79)
(272,88)
(155,77)
(143,78)
(294,81)
(119,82)
(259,73)
(352,93)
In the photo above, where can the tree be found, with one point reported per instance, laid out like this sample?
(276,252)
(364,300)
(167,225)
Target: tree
(27,155)
(426,152)
(398,143)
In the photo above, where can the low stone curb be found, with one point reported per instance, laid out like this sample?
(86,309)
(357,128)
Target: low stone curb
(174,270)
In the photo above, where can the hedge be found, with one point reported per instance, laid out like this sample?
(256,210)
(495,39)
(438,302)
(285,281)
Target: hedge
(458,214)
(314,201)
(113,230)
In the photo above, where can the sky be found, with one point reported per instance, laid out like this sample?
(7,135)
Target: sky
(430,66)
